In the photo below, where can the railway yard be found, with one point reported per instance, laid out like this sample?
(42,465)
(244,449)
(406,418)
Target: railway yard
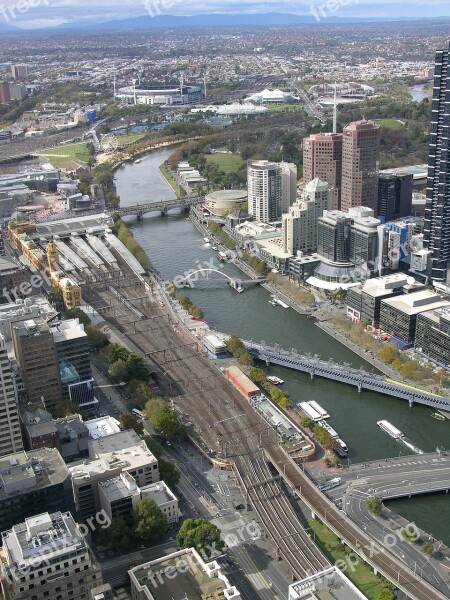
(229,430)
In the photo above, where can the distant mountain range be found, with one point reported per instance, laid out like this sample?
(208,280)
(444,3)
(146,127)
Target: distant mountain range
(222,20)
(226,20)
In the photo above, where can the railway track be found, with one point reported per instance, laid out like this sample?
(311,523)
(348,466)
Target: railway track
(212,405)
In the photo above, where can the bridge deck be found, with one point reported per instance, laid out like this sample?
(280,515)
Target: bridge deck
(345,374)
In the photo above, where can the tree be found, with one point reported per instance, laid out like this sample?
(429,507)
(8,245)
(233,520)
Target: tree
(128,421)
(386,595)
(139,392)
(77,313)
(118,370)
(62,409)
(117,535)
(163,421)
(235,347)
(55,297)
(389,353)
(136,368)
(245,359)
(258,376)
(427,548)
(155,448)
(375,506)
(96,338)
(200,534)
(168,472)
(149,522)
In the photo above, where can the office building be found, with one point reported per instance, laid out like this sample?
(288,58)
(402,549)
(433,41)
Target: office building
(195,578)
(401,238)
(10,435)
(265,190)
(23,310)
(365,233)
(110,456)
(5,97)
(398,316)
(360,155)
(395,193)
(19,71)
(31,481)
(333,236)
(364,301)
(288,185)
(46,557)
(121,495)
(34,349)
(322,158)
(72,350)
(299,229)
(433,335)
(17,91)
(437,211)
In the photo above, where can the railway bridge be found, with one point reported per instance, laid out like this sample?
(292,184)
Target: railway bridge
(345,374)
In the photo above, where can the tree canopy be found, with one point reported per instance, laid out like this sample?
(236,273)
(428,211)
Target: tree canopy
(150,523)
(201,535)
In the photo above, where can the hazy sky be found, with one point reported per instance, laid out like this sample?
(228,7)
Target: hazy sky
(41,13)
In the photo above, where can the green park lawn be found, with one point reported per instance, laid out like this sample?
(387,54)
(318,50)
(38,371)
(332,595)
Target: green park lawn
(228,163)
(285,108)
(68,157)
(360,574)
(389,123)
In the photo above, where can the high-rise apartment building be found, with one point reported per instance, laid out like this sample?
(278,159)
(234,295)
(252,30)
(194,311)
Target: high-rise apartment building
(35,352)
(360,154)
(19,71)
(46,557)
(265,191)
(299,231)
(10,436)
(437,211)
(5,97)
(288,185)
(322,158)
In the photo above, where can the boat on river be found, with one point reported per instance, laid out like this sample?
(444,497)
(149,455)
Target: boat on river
(390,429)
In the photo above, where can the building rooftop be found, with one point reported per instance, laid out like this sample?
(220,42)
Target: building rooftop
(124,450)
(54,535)
(196,579)
(102,427)
(65,227)
(330,584)
(68,330)
(159,492)
(417,302)
(245,383)
(31,327)
(119,488)
(37,468)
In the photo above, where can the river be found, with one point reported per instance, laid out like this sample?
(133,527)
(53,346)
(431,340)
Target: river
(175,246)
(418,92)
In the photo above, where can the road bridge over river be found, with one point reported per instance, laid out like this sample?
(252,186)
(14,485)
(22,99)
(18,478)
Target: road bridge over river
(163,206)
(344,374)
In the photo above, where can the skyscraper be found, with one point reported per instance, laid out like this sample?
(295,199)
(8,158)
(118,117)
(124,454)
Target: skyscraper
(288,185)
(299,231)
(10,436)
(35,352)
(437,211)
(360,154)
(322,158)
(264,181)
(5,96)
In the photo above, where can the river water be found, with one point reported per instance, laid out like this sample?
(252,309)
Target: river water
(175,246)
(418,92)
